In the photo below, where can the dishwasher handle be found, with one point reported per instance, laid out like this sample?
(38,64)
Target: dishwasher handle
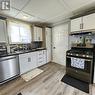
(7,58)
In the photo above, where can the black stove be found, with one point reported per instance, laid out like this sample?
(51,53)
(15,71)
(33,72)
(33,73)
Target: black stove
(79,63)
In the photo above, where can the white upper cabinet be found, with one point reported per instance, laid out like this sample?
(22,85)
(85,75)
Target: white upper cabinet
(2,31)
(76,24)
(37,34)
(89,22)
(83,23)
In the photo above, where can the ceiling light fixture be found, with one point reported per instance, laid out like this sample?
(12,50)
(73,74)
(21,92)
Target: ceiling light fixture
(25,17)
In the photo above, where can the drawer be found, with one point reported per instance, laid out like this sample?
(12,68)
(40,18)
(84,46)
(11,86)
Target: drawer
(40,57)
(40,52)
(40,63)
(40,60)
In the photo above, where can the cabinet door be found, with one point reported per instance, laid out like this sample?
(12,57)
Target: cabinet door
(44,57)
(25,34)
(24,61)
(89,22)
(48,43)
(37,34)
(33,60)
(76,24)
(2,31)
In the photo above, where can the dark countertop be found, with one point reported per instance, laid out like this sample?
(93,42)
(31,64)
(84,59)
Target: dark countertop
(21,52)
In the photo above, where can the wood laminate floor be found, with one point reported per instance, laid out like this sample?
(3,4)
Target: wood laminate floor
(47,83)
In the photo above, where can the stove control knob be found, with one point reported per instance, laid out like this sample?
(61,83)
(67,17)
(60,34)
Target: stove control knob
(83,55)
(76,54)
(68,53)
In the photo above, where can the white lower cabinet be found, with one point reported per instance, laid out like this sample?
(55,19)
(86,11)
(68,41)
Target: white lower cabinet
(44,56)
(41,57)
(29,61)
(33,60)
(25,63)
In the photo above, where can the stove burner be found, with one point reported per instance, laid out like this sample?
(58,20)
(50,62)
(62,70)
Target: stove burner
(80,53)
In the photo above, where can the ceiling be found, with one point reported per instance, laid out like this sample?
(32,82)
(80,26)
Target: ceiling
(45,11)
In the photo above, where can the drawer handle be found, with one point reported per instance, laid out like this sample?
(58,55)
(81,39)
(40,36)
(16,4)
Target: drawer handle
(40,54)
(40,61)
(40,57)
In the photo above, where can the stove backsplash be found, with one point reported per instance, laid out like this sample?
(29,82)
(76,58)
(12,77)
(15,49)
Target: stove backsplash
(79,39)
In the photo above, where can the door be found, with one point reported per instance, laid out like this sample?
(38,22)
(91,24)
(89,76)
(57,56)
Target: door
(48,44)
(76,24)
(89,22)
(60,43)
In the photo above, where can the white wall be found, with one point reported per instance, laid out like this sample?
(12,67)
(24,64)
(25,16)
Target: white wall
(60,42)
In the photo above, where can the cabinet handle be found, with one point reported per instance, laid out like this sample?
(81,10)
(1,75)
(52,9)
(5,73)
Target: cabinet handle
(40,57)
(29,59)
(82,25)
(54,47)
(39,38)
(40,54)
(40,61)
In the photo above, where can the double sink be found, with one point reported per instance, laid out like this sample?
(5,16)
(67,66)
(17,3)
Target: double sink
(20,52)
(26,51)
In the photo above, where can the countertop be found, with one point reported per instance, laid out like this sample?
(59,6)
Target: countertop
(21,52)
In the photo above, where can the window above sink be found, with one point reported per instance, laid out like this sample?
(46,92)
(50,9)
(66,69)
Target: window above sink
(19,32)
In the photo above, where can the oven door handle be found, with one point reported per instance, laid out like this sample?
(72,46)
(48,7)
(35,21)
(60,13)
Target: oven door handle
(79,58)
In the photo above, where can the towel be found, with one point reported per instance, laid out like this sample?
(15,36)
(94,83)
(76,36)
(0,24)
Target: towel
(78,62)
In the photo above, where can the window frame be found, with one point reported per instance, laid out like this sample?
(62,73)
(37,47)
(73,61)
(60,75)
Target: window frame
(19,24)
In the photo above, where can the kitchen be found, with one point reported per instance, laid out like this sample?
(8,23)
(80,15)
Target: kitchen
(47,47)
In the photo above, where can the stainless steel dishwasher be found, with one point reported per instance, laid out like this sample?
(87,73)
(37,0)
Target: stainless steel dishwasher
(9,68)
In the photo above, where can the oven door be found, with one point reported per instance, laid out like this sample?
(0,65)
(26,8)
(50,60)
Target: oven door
(83,72)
